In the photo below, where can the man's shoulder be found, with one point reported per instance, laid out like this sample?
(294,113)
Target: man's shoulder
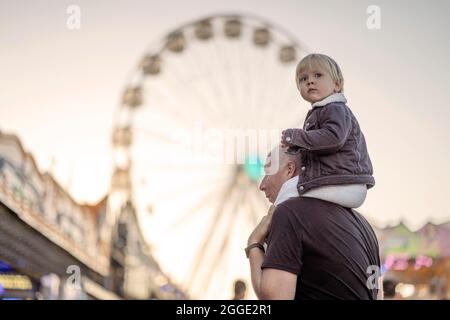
(306,205)
(306,201)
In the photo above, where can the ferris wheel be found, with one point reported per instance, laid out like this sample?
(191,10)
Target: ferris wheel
(192,97)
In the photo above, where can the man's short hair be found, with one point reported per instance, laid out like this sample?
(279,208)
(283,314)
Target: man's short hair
(294,155)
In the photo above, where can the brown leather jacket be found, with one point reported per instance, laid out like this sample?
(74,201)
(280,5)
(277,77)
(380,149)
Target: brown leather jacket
(332,147)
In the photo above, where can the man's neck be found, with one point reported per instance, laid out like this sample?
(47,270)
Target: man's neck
(287,190)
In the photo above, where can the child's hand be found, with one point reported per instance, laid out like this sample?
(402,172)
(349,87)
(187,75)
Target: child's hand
(284,141)
(283,138)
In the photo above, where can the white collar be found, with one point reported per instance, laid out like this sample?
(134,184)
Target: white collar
(287,190)
(335,97)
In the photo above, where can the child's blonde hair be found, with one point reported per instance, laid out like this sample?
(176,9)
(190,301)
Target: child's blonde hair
(325,63)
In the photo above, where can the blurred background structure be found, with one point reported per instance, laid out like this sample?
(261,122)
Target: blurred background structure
(149,188)
(417,264)
(52,247)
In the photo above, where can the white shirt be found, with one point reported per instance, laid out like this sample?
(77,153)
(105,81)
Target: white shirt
(287,191)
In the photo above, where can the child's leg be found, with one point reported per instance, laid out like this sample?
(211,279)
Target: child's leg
(347,195)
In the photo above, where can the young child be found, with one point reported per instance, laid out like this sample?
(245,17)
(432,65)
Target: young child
(335,163)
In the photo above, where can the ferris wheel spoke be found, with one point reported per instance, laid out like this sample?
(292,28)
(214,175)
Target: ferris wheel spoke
(188,83)
(223,52)
(148,133)
(207,199)
(245,80)
(215,101)
(237,106)
(220,50)
(221,69)
(207,68)
(220,253)
(206,240)
(212,180)
(221,97)
(175,94)
(250,85)
(263,89)
(193,171)
(186,167)
(246,59)
(255,62)
(168,194)
(179,151)
(273,86)
(207,106)
(291,100)
(193,146)
(171,104)
(225,240)
(290,107)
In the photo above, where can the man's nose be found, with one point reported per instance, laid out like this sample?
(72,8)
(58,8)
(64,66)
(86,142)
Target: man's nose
(262,184)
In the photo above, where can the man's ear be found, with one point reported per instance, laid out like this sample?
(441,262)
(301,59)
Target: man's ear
(291,169)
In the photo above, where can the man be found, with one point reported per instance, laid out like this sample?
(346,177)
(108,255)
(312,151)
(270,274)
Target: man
(315,249)
(239,290)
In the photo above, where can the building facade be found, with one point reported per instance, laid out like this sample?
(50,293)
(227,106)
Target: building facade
(52,247)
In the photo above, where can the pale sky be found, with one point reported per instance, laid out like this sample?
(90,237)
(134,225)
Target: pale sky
(59,88)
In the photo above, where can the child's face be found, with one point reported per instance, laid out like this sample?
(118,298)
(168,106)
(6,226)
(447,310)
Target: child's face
(316,84)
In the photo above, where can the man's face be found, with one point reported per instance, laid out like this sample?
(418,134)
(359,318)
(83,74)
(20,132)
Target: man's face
(271,183)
